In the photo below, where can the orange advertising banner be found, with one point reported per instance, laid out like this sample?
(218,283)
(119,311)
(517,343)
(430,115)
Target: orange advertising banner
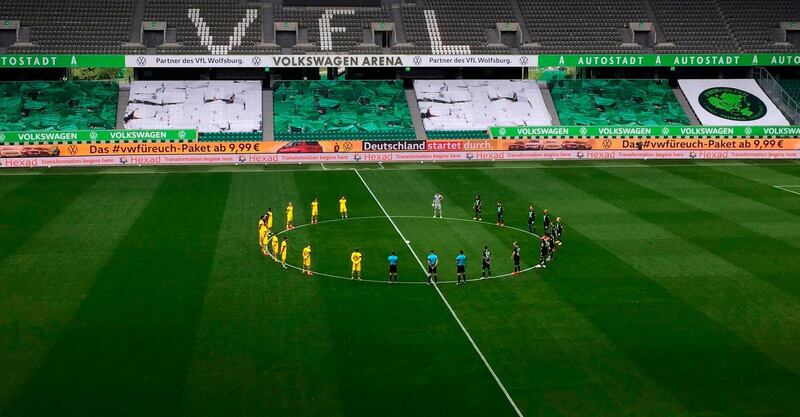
(301,147)
(201,148)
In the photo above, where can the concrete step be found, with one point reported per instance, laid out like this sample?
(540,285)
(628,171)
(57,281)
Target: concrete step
(548,102)
(122,104)
(687,108)
(268,122)
(416,118)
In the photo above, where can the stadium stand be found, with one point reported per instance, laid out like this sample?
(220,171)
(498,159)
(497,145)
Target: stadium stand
(460,23)
(457,26)
(209,26)
(58,105)
(354,20)
(616,102)
(457,108)
(211,107)
(318,110)
(753,24)
(693,26)
(72,26)
(581,26)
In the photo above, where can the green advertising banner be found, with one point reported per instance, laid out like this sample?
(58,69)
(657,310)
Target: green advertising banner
(513,132)
(98,136)
(669,60)
(543,61)
(62,61)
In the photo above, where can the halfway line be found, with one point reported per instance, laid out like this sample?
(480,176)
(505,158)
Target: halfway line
(438,291)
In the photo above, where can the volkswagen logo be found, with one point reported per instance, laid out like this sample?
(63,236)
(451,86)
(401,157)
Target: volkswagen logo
(417,60)
(2,137)
(182,134)
(72,149)
(523,60)
(93,135)
(141,61)
(256,61)
(502,131)
(583,131)
(607,144)
(347,146)
(665,131)
(748,130)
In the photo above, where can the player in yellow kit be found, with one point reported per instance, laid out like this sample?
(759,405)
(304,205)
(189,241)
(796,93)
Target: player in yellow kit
(355,258)
(314,211)
(274,243)
(262,233)
(269,220)
(290,216)
(343,207)
(307,260)
(283,250)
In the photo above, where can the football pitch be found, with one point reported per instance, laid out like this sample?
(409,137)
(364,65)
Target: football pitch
(142,292)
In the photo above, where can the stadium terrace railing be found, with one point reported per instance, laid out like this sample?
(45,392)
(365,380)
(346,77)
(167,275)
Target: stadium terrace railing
(775,91)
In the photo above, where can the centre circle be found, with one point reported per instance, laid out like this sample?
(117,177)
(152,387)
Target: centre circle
(375,237)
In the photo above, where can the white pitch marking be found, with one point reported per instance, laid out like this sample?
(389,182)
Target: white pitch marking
(446,303)
(784,188)
(407,241)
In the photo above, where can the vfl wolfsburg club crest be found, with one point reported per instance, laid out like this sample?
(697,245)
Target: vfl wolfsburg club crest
(732,104)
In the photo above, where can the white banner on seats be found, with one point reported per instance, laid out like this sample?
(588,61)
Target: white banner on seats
(734,102)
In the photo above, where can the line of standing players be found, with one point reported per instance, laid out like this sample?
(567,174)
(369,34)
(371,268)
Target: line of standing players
(550,238)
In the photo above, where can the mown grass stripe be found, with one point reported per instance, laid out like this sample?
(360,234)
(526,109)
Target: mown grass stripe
(262,342)
(600,283)
(46,279)
(744,202)
(700,224)
(127,348)
(26,209)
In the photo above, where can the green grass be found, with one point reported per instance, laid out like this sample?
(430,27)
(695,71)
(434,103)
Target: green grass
(133,291)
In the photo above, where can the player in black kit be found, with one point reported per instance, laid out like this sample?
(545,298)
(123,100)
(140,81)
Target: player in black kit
(516,258)
(478,208)
(545,251)
(559,229)
(546,222)
(500,214)
(531,220)
(487,261)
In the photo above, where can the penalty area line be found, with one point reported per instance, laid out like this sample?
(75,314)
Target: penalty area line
(446,303)
(784,188)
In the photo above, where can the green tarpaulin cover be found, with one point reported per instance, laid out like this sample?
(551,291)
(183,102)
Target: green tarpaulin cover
(340,107)
(43,105)
(616,102)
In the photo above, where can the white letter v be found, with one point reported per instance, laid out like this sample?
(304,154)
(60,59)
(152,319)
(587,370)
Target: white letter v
(204,33)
